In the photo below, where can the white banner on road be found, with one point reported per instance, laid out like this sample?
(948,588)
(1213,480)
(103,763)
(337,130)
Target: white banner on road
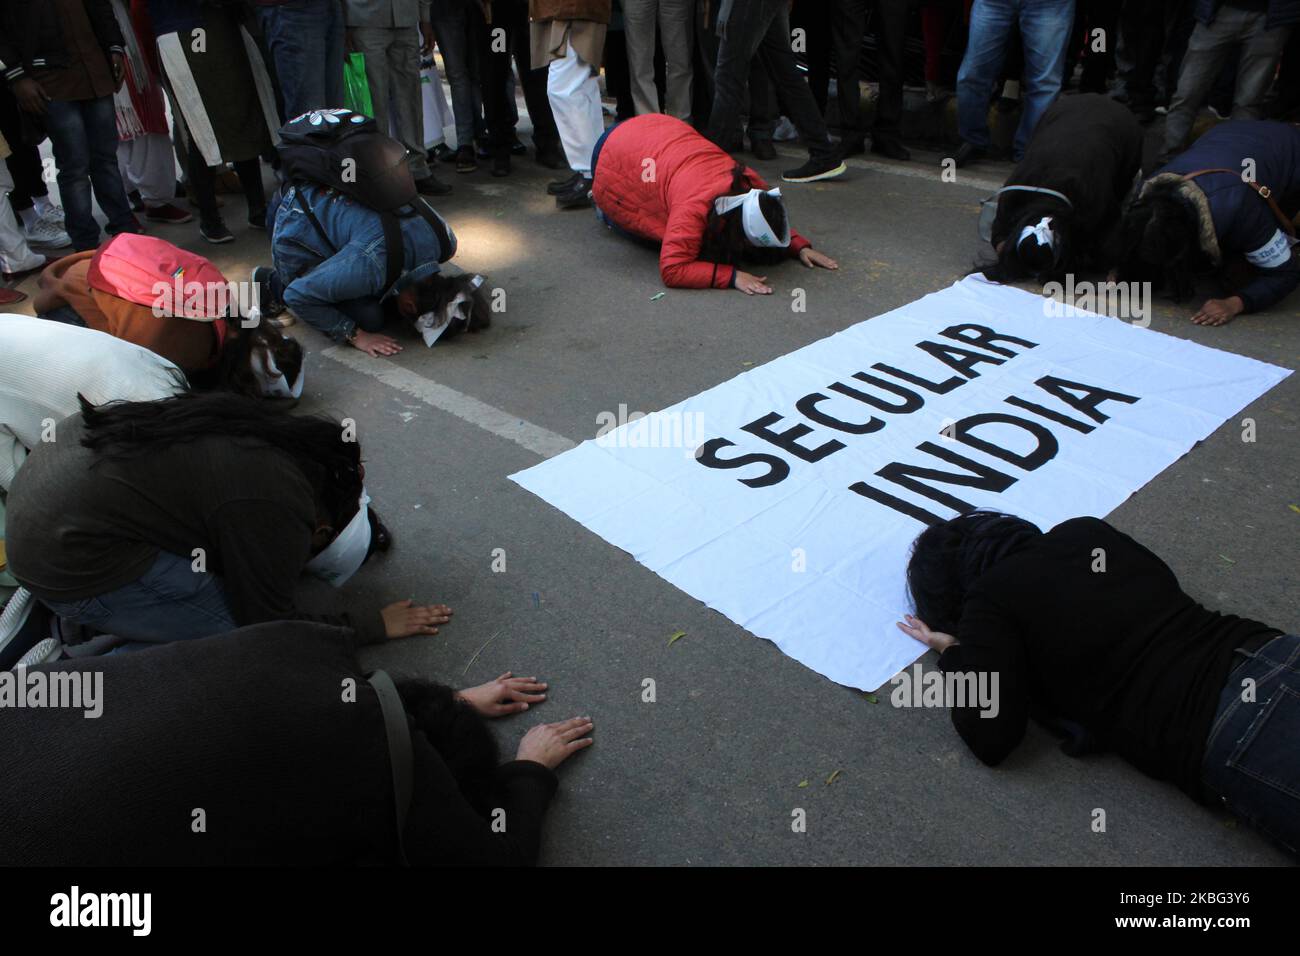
(787,498)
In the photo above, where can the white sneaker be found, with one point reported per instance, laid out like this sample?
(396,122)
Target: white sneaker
(33,260)
(47,231)
(54,213)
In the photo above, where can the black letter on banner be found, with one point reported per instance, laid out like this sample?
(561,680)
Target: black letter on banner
(1062,388)
(939,388)
(1050,415)
(789,439)
(984,337)
(911,400)
(807,407)
(1045,452)
(982,477)
(707,456)
(950,356)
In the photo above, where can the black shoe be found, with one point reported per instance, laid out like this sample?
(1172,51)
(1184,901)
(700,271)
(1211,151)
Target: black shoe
(816,169)
(269,305)
(555,187)
(517,148)
(501,165)
(890,148)
(482,150)
(968,153)
(854,147)
(762,149)
(552,157)
(215,232)
(579,197)
(257,218)
(442,153)
(465,161)
(430,185)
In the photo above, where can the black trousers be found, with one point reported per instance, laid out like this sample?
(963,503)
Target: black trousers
(762,28)
(25,160)
(842,24)
(511,16)
(1155,36)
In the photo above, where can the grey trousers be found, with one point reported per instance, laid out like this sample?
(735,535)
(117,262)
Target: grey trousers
(675,19)
(1206,52)
(393,72)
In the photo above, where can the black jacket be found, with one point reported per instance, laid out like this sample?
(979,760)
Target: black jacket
(31,35)
(1122,652)
(258,730)
(1088,147)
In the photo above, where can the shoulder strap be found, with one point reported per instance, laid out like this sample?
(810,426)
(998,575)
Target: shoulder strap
(311,216)
(1036,189)
(1264,193)
(398,732)
(446,244)
(394,253)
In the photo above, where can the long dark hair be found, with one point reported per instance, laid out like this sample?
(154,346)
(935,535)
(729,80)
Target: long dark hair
(1160,241)
(1043,264)
(724,234)
(948,557)
(234,372)
(121,430)
(458,733)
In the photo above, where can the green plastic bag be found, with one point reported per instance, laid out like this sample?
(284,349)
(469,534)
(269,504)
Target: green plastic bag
(356,90)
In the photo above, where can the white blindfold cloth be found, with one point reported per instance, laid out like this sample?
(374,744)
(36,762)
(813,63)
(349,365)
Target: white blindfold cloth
(1042,234)
(344,555)
(757,229)
(270,380)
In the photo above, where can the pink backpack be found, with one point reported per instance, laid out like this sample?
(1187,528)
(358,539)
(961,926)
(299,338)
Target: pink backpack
(153,272)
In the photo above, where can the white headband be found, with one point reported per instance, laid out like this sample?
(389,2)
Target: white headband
(343,556)
(1042,233)
(271,380)
(431,325)
(757,229)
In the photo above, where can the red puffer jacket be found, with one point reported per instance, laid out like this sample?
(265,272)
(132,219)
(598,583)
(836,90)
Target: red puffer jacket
(656,177)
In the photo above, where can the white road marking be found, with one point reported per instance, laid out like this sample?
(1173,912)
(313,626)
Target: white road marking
(538,440)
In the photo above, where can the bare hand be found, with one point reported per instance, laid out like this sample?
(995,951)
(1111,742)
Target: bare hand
(752,285)
(373,343)
(812,258)
(119,70)
(935,640)
(426,33)
(551,744)
(1219,311)
(505,695)
(31,95)
(406,619)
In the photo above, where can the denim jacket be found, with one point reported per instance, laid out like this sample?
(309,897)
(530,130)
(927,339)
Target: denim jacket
(317,278)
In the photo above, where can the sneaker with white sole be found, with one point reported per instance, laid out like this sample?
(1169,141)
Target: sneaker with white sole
(815,170)
(47,231)
(53,213)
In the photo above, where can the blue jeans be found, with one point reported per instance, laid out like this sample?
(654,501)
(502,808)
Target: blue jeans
(170,602)
(1045,32)
(305,38)
(84,136)
(1252,756)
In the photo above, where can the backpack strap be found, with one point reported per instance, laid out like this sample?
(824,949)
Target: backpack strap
(394,254)
(398,731)
(311,216)
(1264,192)
(446,244)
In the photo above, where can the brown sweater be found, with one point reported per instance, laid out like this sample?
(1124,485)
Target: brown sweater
(190,344)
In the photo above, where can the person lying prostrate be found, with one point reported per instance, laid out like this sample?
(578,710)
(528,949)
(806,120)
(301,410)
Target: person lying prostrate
(1089,633)
(1059,210)
(656,179)
(1206,212)
(289,747)
(193,515)
(47,363)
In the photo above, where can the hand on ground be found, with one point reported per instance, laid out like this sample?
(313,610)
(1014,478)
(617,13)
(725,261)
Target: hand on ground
(505,695)
(552,744)
(406,619)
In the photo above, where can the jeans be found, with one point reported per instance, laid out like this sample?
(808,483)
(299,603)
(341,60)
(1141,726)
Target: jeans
(1045,31)
(305,38)
(452,31)
(1252,761)
(762,28)
(84,136)
(1207,51)
(170,602)
(63,313)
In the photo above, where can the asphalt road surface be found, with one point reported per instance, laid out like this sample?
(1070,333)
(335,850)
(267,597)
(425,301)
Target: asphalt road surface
(709,773)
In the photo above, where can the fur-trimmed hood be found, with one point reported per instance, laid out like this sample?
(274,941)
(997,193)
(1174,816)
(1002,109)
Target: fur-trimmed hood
(1187,189)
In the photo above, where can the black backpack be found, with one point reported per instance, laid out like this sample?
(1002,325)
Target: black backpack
(345,151)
